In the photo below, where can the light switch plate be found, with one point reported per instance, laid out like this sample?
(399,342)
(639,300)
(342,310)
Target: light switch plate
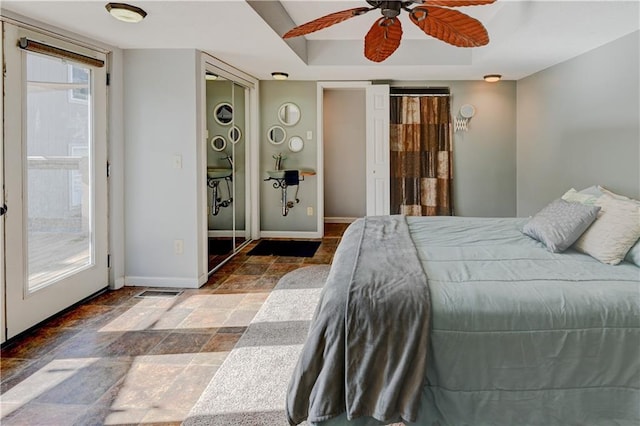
(177,161)
(309,135)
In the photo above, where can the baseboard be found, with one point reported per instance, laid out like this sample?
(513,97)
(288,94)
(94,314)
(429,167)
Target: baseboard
(290,234)
(203,279)
(340,219)
(163,282)
(118,283)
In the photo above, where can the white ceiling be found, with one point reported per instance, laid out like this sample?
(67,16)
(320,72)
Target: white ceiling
(526,36)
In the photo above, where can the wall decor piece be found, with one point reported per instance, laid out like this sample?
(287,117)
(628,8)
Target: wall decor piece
(218,143)
(296,144)
(223,113)
(235,134)
(467,111)
(276,135)
(289,114)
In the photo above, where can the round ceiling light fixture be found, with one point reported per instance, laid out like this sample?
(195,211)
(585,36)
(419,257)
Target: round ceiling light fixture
(279,75)
(492,78)
(125,12)
(210,76)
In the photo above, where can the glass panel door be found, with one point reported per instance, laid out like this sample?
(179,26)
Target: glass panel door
(55,154)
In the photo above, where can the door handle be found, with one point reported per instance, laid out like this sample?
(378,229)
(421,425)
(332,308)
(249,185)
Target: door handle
(3,209)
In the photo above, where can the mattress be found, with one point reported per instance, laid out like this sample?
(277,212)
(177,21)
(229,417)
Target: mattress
(522,336)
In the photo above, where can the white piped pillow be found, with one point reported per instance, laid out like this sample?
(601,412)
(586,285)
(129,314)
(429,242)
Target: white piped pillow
(615,231)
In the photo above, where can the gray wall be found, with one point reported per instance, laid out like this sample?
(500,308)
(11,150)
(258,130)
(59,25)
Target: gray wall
(344,134)
(161,122)
(578,126)
(484,158)
(272,95)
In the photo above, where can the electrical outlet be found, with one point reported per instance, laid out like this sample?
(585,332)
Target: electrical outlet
(178,247)
(309,211)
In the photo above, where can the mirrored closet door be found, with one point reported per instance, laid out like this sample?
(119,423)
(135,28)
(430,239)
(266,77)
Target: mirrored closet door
(227,155)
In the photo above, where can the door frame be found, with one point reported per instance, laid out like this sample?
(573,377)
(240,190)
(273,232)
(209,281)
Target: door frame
(3,307)
(252,154)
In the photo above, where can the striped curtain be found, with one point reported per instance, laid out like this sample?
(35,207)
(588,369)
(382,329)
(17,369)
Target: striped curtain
(421,156)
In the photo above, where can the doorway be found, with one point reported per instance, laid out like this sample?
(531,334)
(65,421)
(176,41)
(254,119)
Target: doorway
(344,131)
(230,102)
(375,153)
(55,157)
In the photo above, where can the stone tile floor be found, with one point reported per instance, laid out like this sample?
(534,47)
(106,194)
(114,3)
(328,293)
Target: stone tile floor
(119,359)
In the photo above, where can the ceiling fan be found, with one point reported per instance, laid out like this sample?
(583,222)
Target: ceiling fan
(431,16)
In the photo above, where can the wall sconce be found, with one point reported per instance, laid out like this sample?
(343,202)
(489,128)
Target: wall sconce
(461,122)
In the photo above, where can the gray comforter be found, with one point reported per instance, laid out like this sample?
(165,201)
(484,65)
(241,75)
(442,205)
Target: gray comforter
(366,353)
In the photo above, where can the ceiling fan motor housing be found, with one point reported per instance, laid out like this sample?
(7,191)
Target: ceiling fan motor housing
(389,9)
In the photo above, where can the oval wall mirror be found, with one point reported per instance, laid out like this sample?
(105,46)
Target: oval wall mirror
(223,113)
(276,135)
(296,144)
(289,114)
(235,134)
(218,143)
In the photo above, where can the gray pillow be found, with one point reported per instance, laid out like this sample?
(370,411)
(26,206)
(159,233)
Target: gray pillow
(560,224)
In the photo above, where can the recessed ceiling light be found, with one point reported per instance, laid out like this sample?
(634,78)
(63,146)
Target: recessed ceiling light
(279,75)
(125,12)
(210,76)
(492,78)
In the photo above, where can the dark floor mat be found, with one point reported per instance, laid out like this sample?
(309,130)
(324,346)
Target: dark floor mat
(285,248)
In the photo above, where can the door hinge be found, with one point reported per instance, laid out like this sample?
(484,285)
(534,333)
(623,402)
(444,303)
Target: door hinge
(3,210)
(108,169)
(108,261)
(108,79)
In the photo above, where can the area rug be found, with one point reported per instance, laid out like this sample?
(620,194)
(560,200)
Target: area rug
(250,387)
(285,248)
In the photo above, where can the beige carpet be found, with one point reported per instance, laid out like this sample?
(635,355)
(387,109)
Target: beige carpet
(250,386)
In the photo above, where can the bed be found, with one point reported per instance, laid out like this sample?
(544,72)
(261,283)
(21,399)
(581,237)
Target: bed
(515,335)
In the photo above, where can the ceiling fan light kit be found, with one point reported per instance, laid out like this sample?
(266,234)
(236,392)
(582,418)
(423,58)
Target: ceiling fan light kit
(432,16)
(125,12)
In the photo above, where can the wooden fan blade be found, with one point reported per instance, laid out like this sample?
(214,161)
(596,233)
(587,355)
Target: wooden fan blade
(325,21)
(450,26)
(457,3)
(382,39)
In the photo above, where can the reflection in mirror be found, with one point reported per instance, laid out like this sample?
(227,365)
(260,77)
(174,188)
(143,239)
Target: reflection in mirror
(218,143)
(235,134)
(276,135)
(289,114)
(296,144)
(223,113)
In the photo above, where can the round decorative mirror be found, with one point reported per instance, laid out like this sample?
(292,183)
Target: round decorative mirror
(296,144)
(218,143)
(289,114)
(223,113)
(235,134)
(276,135)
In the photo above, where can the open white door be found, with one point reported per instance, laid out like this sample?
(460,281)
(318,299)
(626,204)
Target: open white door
(378,163)
(55,156)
